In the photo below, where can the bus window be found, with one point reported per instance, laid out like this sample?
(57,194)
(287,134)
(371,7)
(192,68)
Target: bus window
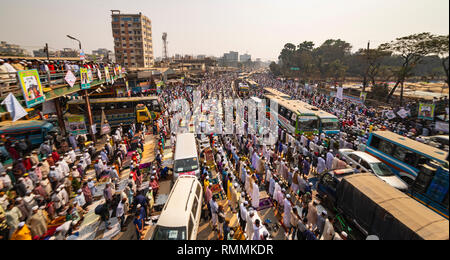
(282,111)
(375,143)
(386,147)
(404,155)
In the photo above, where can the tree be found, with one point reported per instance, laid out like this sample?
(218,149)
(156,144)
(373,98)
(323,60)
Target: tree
(275,68)
(411,49)
(439,45)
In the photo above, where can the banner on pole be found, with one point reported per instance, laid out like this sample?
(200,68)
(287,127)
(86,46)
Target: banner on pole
(76,125)
(107,75)
(426,111)
(31,87)
(70,78)
(85,84)
(402,113)
(390,114)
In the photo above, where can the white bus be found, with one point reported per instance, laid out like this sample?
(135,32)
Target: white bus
(186,156)
(180,217)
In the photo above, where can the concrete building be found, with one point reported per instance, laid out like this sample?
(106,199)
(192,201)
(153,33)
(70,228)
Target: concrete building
(133,43)
(245,57)
(12,50)
(231,56)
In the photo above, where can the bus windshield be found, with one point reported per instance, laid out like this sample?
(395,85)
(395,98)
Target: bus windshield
(308,122)
(330,124)
(184,165)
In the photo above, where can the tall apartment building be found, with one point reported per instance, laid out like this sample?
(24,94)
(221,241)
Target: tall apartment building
(132,39)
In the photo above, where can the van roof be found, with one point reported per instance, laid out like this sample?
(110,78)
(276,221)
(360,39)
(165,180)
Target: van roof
(366,157)
(177,210)
(418,218)
(185,146)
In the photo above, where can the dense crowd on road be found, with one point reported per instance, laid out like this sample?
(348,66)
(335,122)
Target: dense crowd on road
(46,192)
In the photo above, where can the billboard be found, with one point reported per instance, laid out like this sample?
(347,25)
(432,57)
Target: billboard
(84,77)
(31,87)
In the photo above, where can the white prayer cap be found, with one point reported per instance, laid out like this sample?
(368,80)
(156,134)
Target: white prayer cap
(21,224)
(324,212)
(283,190)
(138,206)
(35,208)
(66,174)
(19,199)
(235,185)
(79,191)
(245,202)
(288,196)
(153,177)
(344,234)
(310,184)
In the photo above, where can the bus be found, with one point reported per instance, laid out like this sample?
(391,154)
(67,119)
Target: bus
(423,167)
(117,110)
(293,115)
(35,130)
(328,123)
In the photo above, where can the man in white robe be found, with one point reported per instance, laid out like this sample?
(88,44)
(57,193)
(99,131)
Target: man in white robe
(255,196)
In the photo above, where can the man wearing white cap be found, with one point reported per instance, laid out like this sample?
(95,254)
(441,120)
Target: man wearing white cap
(234,197)
(80,199)
(250,220)
(255,194)
(87,157)
(37,222)
(287,212)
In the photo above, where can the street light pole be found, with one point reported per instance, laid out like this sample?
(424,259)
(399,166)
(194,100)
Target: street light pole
(86,97)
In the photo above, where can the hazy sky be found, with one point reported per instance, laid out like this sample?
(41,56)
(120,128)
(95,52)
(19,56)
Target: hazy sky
(213,27)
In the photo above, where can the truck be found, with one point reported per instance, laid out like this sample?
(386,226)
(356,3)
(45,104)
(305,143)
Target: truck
(367,205)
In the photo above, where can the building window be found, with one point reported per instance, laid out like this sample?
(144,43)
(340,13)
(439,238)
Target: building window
(132,51)
(123,31)
(126,19)
(115,19)
(131,38)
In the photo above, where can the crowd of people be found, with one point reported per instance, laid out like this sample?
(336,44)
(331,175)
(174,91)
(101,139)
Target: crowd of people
(46,192)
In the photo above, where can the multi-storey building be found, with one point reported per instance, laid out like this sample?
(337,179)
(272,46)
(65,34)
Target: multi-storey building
(132,39)
(12,49)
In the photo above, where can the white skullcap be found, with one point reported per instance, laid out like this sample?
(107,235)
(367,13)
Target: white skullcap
(35,208)
(21,224)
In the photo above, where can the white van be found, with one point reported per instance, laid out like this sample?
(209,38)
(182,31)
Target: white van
(180,217)
(186,156)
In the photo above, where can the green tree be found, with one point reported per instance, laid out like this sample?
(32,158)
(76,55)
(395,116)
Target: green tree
(411,49)
(439,45)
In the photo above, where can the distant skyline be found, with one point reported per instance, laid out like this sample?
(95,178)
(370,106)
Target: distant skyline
(209,27)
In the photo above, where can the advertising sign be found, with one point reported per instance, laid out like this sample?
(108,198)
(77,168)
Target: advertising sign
(426,111)
(76,125)
(70,78)
(31,87)
(84,77)
(107,75)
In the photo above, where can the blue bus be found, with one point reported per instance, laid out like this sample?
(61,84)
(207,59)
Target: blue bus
(36,130)
(423,167)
